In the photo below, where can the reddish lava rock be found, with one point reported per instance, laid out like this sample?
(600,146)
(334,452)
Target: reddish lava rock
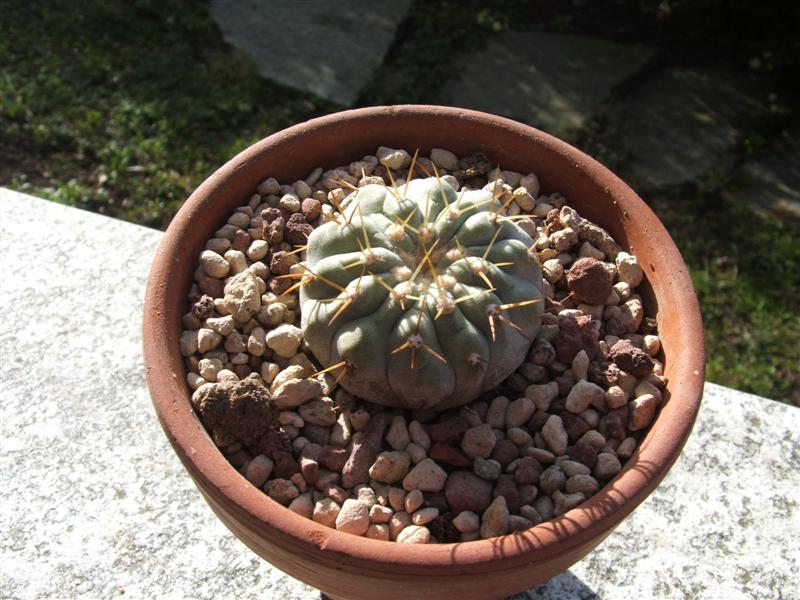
(603,374)
(575,334)
(204,307)
(466,491)
(448,431)
(589,281)
(297,230)
(504,452)
(631,359)
(506,486)
(584,454)
(449,455)
(243,410)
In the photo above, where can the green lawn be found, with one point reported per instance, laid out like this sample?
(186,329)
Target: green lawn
(124,108)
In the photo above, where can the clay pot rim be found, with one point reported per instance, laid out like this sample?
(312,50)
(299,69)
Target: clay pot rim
(576,528)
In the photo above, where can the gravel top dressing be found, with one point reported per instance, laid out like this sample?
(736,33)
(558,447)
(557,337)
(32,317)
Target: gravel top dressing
(499,451)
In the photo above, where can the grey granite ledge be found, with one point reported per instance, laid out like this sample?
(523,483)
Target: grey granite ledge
(96,505)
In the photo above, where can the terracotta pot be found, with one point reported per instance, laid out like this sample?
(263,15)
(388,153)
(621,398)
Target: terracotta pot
(346,566)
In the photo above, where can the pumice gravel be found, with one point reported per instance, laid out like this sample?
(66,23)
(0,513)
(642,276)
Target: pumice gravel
(528,448)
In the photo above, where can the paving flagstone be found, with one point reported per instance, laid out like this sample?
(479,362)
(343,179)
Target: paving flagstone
(551,81)
(683,125)
(771,182)
(328,48)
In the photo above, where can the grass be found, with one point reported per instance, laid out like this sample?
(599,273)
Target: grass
(124,108)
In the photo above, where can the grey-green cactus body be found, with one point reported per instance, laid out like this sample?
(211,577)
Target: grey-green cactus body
(426,297)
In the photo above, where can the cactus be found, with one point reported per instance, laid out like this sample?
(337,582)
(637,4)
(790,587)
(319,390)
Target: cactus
(420,297)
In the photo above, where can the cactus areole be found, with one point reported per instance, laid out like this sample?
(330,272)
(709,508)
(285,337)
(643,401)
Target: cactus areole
(418,296)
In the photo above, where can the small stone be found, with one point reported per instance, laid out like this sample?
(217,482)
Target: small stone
(607,466)
(552,479)
(242,296)
(390,467)
(426,476)
(414,534)
(295,392)
(543,456)
(642,410)
(575,333)
(479,441)
(207,340)
(448,431)
(258,470)
(530,513)
(359,419)
(583,394)
(398,437)
(615,423)
(626,448)
(592,438)
(519,437)
(487,469)
(417,453)
(629,270)
(467,522)
(589,281)
(214,265)
(574,425)
(585,484)
(188,342)
(555,435)
(303,505)
(615,397)
(518,523)
(631,359)
(496,413)
(566,502)
(552,270)
(507,488)
(444,159)
(542,395)
(505,452)
(424,516)
(353,517)
(519,411)
(365,448)
(563,239)
(418,435)
(378,531)
(528,471)
(325,512)
(449,455)
(413,500)
(398,522)
(494,521)
(333,458)
(318,412)
(465,491)
(392,158)
(380,514)
(285,340)
(580,365)
(572,468)
(282,491)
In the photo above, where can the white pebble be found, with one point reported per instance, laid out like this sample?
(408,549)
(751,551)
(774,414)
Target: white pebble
(444,159)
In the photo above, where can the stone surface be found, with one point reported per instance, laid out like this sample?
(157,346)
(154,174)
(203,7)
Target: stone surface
(682,125)
(329,49)
(91,514)
(771,182)
(552,81)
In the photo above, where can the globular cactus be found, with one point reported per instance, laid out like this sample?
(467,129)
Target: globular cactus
(420,297)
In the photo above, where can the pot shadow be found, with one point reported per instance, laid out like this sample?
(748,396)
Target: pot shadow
(564,586)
